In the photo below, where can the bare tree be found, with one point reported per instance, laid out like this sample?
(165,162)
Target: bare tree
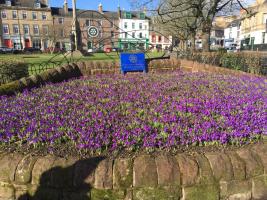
(192,16)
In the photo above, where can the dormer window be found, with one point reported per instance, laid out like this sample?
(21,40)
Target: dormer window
(142,16)
(8,2)
(37,4)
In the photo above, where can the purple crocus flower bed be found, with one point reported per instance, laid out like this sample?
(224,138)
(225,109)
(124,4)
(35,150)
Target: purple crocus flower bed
(156,111)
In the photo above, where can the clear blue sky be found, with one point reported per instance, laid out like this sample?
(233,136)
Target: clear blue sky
(93,4)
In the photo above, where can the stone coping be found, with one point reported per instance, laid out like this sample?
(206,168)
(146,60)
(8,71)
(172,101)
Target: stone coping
(239,174)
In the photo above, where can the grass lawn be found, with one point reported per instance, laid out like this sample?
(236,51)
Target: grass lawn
(40,62)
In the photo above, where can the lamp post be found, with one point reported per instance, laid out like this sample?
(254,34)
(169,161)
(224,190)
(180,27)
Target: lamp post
(74,24)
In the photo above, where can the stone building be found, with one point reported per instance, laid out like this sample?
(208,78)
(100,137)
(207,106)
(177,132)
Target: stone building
(105,21)
(25,23)
(253,26)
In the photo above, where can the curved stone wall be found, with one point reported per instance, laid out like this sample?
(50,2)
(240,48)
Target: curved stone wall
(225,175)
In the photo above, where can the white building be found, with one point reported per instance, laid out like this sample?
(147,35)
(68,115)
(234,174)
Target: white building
(133,31)
(232,34)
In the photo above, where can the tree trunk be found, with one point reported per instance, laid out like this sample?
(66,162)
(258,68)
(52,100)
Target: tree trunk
(193,41)
(206,41)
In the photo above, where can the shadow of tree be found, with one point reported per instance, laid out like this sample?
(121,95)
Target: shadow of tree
(68,183)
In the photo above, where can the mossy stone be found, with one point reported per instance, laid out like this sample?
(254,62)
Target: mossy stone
(201,192)
(107,194)
(150,193)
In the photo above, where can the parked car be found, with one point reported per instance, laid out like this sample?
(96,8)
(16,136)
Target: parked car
(32,50)
(6,50)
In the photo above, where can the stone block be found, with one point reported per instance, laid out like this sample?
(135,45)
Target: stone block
(168,171)
(8,165)
(61,173)
(253,163)
(145,172)
(188,169)
(84,172)
(123,173)
(7,193)
(103,175)
(97,194)
(221,166)
(76,195)
(235,188)
(239,167)
(43,193)
(205,172)
(259,188)
(201,192)
(40,172)
(24,169)
(161,193)
(260,150)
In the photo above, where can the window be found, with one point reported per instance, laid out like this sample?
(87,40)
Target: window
(140,35)
(263,38)
(128,15)
(5,29)
(133,25)
(15,29)
(159,39)
(45,30)
(8,2)
(35,29)
(36,43)
(88,22)
(125,25)
(111,24)
(3,14)
(14,14)
(112,34)
(34,15)
(142,16)
(145,27)
(133,34)
(24,15)
(37,4)
(125,35)
(26,29)
(61,20)
(44,16)
(140,26)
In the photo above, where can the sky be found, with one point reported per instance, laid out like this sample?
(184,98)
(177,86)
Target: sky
(110,5)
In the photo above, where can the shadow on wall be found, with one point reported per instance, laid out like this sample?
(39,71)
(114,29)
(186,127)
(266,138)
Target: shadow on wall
(68,183)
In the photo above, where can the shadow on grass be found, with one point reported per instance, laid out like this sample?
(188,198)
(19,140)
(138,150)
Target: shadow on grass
(68,183)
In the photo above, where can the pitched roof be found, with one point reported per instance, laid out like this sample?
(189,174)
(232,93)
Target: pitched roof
(56,11)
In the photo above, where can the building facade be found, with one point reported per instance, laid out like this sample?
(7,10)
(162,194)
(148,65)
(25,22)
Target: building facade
(133,30)
(253,26)
(232,34)
(25,24)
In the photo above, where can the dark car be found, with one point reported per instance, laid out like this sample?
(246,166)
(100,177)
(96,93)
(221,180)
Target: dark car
(32,50)
(6,50)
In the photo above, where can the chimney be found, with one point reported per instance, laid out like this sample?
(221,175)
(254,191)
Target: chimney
(100,8)
(65,7)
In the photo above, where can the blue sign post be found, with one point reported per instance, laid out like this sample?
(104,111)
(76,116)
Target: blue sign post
(133,62)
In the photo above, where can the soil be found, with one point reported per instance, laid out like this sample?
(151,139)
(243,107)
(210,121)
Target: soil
(67,150)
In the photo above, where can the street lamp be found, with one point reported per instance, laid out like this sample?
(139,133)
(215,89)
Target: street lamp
(74,24)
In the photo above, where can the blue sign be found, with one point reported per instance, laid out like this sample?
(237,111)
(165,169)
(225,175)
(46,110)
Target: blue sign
(133,62)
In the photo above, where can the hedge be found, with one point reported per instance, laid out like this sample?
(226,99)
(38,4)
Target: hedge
(248,62)
(11,70)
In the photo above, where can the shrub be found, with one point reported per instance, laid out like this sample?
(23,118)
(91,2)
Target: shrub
(10,88)
(253,62)
(11,70)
